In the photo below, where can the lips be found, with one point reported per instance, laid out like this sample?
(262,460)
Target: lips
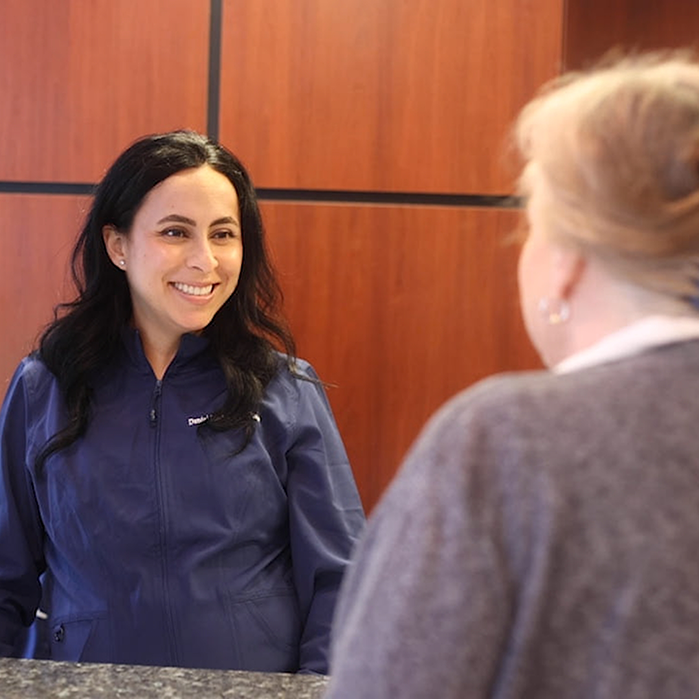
(192,290)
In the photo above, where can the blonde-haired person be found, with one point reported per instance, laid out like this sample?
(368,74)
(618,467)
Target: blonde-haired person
(541,538)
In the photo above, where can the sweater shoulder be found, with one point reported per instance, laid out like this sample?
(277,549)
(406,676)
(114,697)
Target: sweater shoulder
(523,394)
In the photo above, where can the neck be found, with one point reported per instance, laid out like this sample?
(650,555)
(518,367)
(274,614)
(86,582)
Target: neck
(159,354)
(603,305)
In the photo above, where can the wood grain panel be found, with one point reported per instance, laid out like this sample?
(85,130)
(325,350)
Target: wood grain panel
(390,95)
(399,308)
(37,235)
(593,27)
(81,80)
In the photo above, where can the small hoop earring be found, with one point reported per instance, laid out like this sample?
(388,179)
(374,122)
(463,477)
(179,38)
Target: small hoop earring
(556,311)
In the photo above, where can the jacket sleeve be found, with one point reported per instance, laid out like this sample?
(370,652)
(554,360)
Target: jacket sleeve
(21,539)
(325,518)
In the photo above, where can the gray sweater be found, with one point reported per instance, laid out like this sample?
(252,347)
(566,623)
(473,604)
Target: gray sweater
(541,540)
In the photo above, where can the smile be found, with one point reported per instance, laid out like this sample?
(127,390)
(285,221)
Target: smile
(194,290)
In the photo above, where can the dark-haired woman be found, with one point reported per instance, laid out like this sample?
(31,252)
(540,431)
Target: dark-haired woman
(174,489)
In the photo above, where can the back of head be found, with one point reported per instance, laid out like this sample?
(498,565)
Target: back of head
(616,152)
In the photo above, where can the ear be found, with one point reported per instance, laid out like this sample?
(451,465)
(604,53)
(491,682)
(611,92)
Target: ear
(115,243)
(569,266)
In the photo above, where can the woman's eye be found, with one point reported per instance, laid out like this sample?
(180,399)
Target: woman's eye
(173,233)
(225,234)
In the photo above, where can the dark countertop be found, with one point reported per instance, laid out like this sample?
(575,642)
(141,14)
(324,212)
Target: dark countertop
(46,679)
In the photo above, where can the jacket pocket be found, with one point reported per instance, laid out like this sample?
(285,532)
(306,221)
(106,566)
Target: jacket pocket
(268,630)
(76,638)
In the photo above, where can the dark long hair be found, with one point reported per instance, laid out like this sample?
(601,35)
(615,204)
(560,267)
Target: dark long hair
(85,333)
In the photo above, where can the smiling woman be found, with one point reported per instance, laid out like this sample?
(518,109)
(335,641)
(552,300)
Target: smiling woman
(174,486)
(182,258)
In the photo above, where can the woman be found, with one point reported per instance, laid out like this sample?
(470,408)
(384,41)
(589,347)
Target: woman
(178,485)
(541,538)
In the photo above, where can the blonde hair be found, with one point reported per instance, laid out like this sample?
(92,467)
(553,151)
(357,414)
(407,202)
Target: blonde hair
(617,150)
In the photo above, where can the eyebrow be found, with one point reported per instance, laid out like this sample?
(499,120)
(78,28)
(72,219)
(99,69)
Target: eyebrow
(184,219)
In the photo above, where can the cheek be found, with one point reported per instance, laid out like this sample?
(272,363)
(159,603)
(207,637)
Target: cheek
(149,266)
(529,280)
(524,272)
(232,263)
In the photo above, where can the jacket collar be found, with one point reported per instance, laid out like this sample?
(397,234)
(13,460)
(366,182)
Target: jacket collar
(191,347)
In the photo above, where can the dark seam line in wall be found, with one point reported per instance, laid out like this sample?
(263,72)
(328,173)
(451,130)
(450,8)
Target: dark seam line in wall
(406,198)
(74,188)
(303,196)
(214,88)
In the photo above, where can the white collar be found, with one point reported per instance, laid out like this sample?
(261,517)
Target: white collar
(635,338)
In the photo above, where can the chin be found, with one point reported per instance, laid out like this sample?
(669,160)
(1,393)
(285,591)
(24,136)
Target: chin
(195,328)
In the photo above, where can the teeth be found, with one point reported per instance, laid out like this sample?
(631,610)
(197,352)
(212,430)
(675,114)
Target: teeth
(194,290)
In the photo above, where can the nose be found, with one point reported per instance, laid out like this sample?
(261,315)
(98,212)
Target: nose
(202,255)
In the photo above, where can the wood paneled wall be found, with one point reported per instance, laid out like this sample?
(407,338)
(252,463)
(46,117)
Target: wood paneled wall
(37,233)
(383,95)
(595,27)
(334,106)
(399,307)
(80,80)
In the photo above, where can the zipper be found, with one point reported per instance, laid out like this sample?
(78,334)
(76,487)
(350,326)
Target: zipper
(153,419)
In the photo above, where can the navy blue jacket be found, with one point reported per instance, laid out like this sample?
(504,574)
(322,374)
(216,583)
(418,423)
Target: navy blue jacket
(156,544)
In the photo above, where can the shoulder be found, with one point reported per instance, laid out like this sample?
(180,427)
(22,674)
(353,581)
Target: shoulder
(300,369)
(32,376)
(505,401)
(33,399)
(298,397)
(295,376)
(513,427)
(562,402)
(486,434)
(507,397)
(294,388)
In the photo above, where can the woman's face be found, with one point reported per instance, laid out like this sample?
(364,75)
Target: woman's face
(183,255)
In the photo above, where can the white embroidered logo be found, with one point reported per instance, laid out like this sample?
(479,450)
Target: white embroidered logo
(193,421)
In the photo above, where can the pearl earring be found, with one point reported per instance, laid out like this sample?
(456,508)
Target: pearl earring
(122,262)
(556,311)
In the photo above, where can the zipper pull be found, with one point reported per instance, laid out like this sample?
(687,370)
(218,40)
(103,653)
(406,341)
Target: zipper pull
(153,414)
